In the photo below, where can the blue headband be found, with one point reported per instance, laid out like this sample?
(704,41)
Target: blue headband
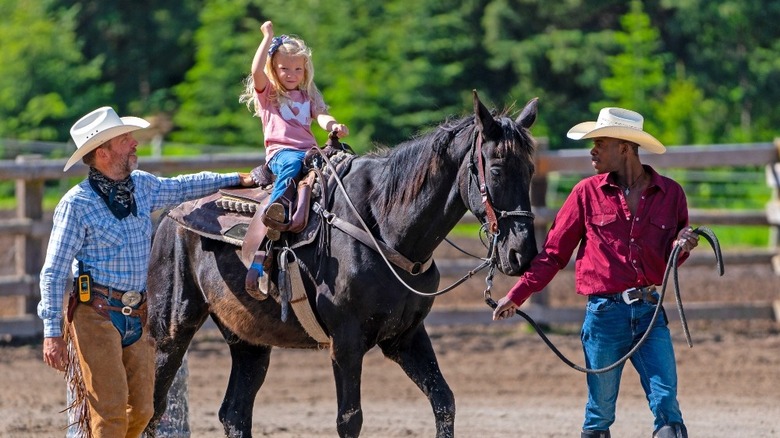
(275,43)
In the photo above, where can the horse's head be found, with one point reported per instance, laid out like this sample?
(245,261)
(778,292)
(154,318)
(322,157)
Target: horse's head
(495,184)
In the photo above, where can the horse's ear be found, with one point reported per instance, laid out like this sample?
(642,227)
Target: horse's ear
(481,114)
(527,117)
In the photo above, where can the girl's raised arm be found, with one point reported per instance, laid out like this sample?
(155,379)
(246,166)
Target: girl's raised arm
(258,62)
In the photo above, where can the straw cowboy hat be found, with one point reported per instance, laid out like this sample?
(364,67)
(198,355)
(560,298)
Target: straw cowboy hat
(618,123)
(98,127)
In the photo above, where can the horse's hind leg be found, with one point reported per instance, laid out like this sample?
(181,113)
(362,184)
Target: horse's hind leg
(247,374)
(416,357)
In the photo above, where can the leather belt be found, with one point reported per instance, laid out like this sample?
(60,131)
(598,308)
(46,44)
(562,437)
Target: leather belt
(634,294)
(129,298)
(101,306)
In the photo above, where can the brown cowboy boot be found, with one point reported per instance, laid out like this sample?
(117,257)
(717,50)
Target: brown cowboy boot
(274,214)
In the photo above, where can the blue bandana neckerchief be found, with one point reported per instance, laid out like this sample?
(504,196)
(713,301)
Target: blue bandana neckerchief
(118,195)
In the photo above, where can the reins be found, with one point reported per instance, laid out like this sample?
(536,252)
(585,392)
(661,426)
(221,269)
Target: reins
(491,226)
(671,267)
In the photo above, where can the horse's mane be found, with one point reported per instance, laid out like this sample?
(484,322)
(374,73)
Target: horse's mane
(410,164)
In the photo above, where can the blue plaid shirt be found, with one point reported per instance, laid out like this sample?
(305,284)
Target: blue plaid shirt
(115,252)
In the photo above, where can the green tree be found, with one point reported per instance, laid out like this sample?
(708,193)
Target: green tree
(553,50)
(45,82)
(729,48)
(684,115)
(147,46)
(637,71)
(210,112)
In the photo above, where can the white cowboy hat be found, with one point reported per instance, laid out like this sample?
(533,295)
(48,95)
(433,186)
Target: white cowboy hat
(98,127)
(618,123)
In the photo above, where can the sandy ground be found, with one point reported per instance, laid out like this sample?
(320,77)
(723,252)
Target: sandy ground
(506,382)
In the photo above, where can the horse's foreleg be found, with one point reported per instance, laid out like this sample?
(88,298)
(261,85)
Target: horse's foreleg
(416,357)
(347,370)
(247,374)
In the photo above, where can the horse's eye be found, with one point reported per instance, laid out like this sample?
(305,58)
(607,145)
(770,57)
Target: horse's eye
(495,172)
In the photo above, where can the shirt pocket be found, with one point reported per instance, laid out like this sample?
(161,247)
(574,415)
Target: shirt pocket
(662,229)
(605,226)
(107,240)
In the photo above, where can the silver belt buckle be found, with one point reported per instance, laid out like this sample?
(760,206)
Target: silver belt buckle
(626,299)
(131,298)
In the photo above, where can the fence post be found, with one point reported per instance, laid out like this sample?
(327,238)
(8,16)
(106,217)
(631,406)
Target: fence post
(539,202)
(773,208)
(29,248)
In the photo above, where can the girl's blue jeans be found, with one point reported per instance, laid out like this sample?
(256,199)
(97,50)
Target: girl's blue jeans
(610,330)
(286,165)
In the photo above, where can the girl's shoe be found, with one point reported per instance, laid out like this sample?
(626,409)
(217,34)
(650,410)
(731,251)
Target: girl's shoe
(274,214)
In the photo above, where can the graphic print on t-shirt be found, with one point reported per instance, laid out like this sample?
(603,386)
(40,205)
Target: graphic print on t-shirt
(299,111)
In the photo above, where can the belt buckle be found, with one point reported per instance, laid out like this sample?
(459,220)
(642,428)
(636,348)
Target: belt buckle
(131,298)
(127,310)
(626,298)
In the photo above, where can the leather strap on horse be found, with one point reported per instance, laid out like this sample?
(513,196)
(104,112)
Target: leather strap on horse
(255,233)
(297,297)
(671,266)
(489,210)
(396,258)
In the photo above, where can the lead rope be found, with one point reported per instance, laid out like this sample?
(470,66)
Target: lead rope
(489,261)
(671,266)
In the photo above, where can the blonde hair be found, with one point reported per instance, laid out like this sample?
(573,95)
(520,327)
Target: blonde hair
(290,46)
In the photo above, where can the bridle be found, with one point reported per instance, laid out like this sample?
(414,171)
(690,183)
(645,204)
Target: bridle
(478,171)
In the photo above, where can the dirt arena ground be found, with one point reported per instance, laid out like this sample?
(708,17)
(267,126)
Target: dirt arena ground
(506,382)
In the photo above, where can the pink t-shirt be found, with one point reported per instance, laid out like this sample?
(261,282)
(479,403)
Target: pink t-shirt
(287,126)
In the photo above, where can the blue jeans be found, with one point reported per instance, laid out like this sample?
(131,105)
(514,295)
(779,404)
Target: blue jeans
(610,330)
(286,165)
(129,327)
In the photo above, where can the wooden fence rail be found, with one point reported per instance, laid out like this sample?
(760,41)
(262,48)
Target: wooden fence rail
(31,227)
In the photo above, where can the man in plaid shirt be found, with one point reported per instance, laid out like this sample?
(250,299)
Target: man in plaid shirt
(102,235)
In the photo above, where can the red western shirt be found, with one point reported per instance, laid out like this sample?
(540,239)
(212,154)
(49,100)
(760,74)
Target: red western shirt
(617,250)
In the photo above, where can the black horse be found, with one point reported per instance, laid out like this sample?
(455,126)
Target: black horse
(410,197)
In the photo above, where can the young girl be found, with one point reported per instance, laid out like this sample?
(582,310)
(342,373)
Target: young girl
(282,93)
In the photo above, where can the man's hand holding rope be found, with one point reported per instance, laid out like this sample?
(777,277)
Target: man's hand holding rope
(686,238)
(505,309)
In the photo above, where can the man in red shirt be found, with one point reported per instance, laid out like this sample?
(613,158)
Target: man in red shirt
(624,222)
